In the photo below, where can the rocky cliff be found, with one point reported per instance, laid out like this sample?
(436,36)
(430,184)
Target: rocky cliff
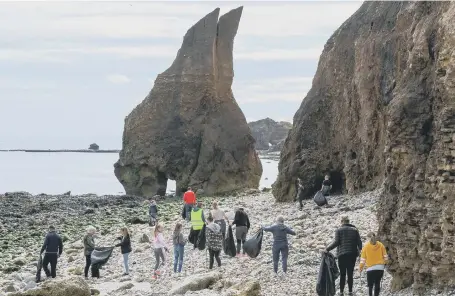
(189,128)
(381,111)
(269,133)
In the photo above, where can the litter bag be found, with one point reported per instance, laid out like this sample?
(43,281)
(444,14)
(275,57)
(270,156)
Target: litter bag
(320,199)
(253,246)
(39,266)
(229,244)
(184,212)
(201,239)
(101,255)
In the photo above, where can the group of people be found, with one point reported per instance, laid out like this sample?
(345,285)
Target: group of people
(373,256)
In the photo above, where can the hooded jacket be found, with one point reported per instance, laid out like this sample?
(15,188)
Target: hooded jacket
(153,210)
(373,255)
(347,241)
(52,244)
(214,237)
(178,239)
(328,273)
(125,244)
(280,233)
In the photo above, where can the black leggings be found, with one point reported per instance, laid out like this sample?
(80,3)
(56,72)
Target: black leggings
(346,264)
(88,261)
(214,255)
(374,278)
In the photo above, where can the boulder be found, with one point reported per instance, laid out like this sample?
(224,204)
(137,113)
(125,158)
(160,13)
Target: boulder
(249,288)
(381,112)
(144,238)
(195,283)
(189,128)
(75,286)
(269,133)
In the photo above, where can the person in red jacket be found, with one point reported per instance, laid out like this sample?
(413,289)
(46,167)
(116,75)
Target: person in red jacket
(189,198)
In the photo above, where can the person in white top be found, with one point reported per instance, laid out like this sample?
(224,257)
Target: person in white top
(160,246)
(220,218)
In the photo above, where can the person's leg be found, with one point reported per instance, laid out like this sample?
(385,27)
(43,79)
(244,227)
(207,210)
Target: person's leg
(238,237)
(244,233)
(217,257)
(212,255)
(196,235)
(377,282)
(342,266)
(162,256)
(53,261)
(284,258)
(370,281)
(300,203)
(350,271)
(276,258)
(126,263)
(176,256)
(182,248)
(46,265)
(157,259)
(87,264)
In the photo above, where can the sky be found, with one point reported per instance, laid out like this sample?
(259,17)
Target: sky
(71,71)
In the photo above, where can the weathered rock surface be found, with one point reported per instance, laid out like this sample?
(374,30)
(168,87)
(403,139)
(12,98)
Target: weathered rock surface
(195,283)
(381,110)
(190,128)
(60,287)
(269,133)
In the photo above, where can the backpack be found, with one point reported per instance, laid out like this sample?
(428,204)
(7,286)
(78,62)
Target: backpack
(320,199)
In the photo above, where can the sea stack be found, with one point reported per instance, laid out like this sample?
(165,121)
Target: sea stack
(189,128)
(381,112)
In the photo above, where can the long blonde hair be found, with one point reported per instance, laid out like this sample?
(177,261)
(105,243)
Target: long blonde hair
(125,231)
(215,205)
(157,230)
(178,227)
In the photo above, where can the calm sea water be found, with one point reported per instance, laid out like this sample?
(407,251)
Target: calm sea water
(56,173)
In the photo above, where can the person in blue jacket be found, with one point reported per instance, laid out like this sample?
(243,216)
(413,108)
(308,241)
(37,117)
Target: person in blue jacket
(280,243)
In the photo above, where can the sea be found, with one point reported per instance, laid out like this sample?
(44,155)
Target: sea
(80,173)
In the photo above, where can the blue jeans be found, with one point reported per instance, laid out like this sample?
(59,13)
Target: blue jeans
(188,211)
(125,262)
(178,257)
(276,250)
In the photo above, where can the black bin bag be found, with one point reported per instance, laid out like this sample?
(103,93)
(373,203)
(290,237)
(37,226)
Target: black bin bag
(252,246)
(320,199)
(229,244)
(39,266)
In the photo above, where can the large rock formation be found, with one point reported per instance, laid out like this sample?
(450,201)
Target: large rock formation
(382,112)
(269,133)
(189,128)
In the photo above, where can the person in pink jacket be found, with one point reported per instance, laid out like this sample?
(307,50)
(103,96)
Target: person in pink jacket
(160,246)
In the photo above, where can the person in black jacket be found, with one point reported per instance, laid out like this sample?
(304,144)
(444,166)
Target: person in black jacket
(125,247)
(53,248)
(348,244)
(242,225)
(300,193)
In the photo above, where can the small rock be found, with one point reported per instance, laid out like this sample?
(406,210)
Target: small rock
(144,238)
(19,261)
(94,291)
(126,287)
(11,288)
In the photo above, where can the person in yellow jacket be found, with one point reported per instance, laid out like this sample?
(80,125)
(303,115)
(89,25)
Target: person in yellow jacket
(374,257)
(197,223)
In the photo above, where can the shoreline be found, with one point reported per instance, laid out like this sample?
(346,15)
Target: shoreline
(61,150)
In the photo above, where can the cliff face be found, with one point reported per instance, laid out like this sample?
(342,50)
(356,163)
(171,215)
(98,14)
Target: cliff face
(190,128)
(268,131)
(381,111)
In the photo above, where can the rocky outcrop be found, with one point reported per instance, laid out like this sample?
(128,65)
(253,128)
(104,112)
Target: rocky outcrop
(381,112)
(190,128)
(269,133)
(75,286)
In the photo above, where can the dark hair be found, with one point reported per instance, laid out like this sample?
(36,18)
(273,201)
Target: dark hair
(189,188)
(210,218)
(51,227)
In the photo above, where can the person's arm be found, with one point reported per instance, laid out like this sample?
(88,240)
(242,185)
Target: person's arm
(290,231)
(236,218)
(267,228)
(43,248)
(247,222)
(335,243)
(363,259)
(384,254)
(60,246)
(121,243)
(203,218)
(359,241)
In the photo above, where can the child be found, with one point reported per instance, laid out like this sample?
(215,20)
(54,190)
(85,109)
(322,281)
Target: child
(153,213)
(374,257)
(214,241)
(160,247)
(179,245)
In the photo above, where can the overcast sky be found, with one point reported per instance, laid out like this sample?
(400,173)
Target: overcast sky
(71,71)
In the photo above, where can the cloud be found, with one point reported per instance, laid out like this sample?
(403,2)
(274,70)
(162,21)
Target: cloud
(290,89)
(168,19)
(117,79)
